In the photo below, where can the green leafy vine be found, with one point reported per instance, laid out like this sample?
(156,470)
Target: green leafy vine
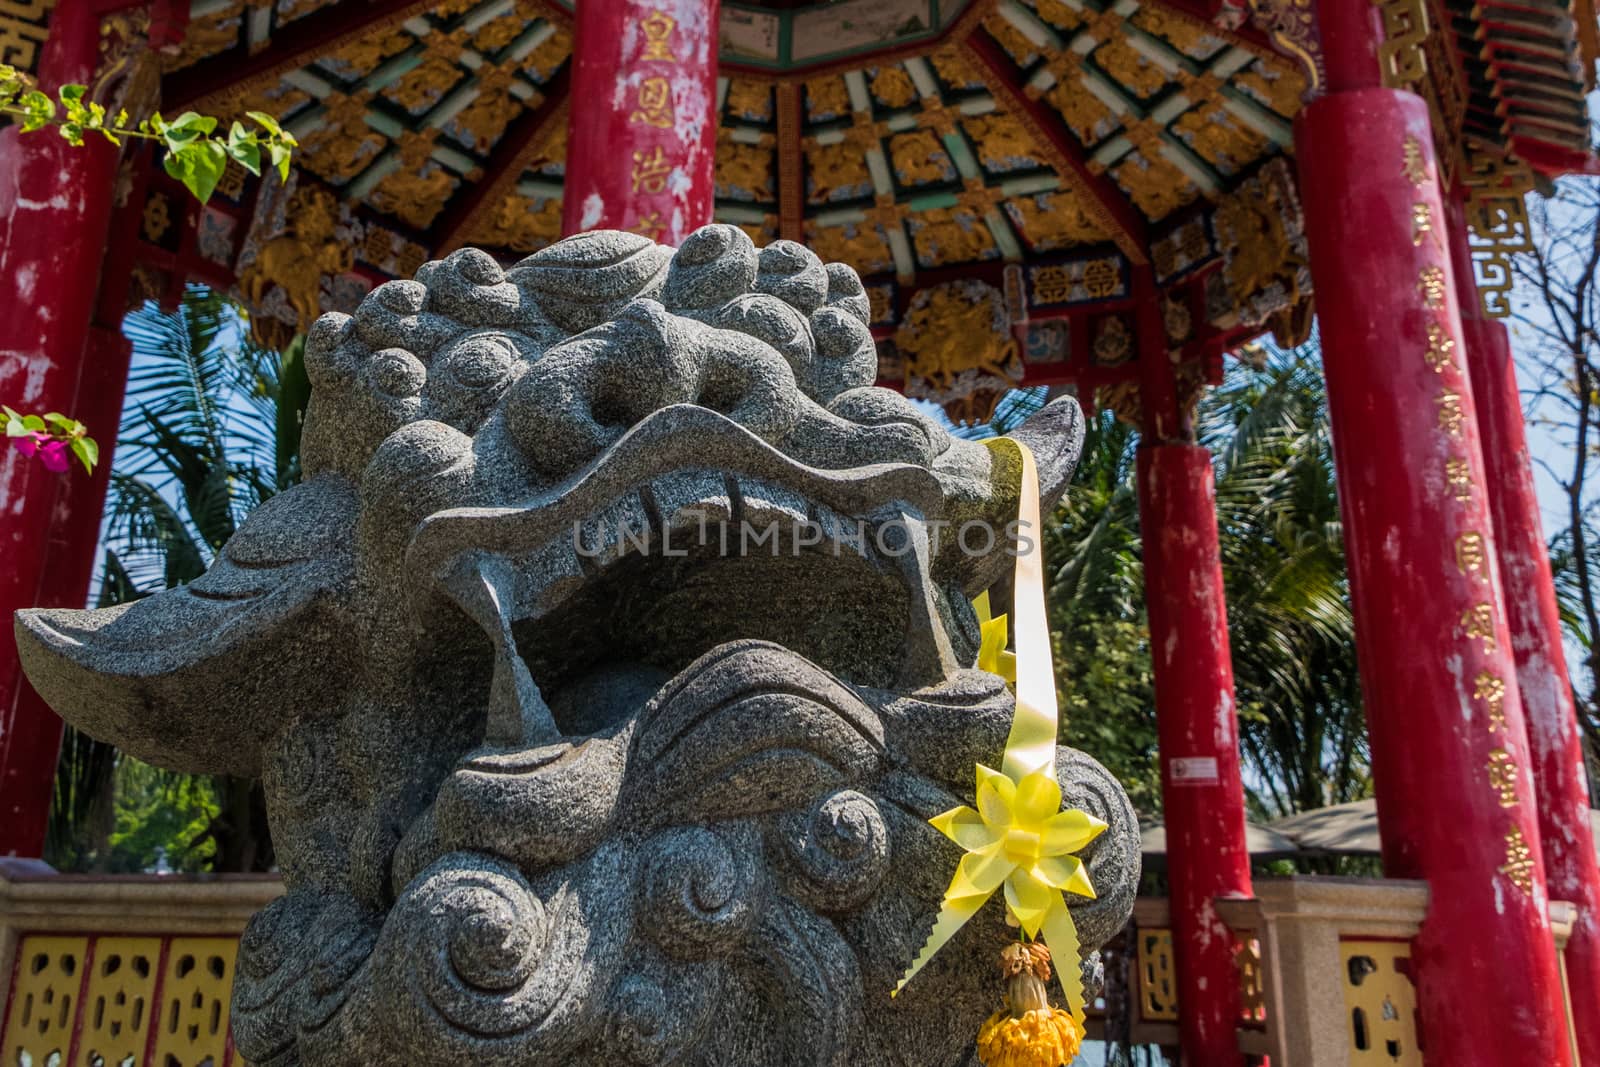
(196,153)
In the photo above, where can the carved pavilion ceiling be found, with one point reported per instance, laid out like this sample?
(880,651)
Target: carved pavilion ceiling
(1043,149)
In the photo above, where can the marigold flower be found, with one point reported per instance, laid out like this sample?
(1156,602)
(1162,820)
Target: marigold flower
(1029,1032)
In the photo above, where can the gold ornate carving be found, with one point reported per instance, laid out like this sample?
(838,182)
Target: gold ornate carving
(1292,25)
(1405,31)
(1497,219)
(361,57)
(750,100)
(1129,66)
(1156,187)
(1017,46)
(893,86)
(342,144)
(1261,234)
(1518,867)
(1177,319)
(836,171)
(1219,138)
(954,68)
(918,158)
(1181,248)
(424,85)
(745,171)
(1053,220)
(1001,142)
(546,59)
(1113,342)
(157,218)
(1190,36)
(296,260)
(1275,85)
(658,27)
(497,33)
(415,192)
(950,235)
(862,245)
(1058,14)
(519,224)
(826,98)
(958,348)
(492,109)
(205,36)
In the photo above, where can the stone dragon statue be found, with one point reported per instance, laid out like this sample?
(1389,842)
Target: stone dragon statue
(554,776)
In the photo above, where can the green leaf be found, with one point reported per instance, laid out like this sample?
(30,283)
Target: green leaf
(192,124)
(69,425)
(265,121)
(72,132)
(33,423)
(87,451)
(280,159)
(201,164)
(39,108)
(245,148)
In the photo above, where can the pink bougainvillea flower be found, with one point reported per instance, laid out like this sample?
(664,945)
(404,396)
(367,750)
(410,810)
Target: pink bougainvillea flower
(53,454)
(27,443)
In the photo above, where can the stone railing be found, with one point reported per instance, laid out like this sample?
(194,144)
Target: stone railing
(139,969)
(1336,954)
(114,970)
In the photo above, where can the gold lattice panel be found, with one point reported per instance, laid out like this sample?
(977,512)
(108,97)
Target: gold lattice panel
(196,987)
(119,1000)
(1381,1003)
(46,983)
(1158,985)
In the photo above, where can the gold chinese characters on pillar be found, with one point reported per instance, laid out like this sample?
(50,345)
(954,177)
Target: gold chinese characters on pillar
(1471,548)
(653,107)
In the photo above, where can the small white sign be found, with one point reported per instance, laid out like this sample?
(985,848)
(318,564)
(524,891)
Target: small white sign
(1194,770)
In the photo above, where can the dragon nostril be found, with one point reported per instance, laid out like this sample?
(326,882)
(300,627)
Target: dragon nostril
(481,361)
(395,372)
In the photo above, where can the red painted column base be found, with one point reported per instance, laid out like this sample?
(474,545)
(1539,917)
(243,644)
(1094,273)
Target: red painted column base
(1203,798)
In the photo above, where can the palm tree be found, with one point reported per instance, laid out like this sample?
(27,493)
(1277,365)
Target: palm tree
(211,428)
(1288,604)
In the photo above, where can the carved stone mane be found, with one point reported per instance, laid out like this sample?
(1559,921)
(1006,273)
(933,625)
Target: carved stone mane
(558,772)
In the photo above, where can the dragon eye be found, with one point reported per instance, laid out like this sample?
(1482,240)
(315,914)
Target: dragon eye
(481,361)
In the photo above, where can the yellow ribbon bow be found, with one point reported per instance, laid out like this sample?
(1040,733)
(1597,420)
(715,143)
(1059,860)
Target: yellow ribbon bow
(992,654)
(1018,836)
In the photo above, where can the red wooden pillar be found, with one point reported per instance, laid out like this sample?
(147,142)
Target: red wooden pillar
(1202,795)
(1554,741)
(55,202)
(1449,750)
(642,131)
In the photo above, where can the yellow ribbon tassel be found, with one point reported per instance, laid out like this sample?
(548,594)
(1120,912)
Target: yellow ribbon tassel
(1017,837)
